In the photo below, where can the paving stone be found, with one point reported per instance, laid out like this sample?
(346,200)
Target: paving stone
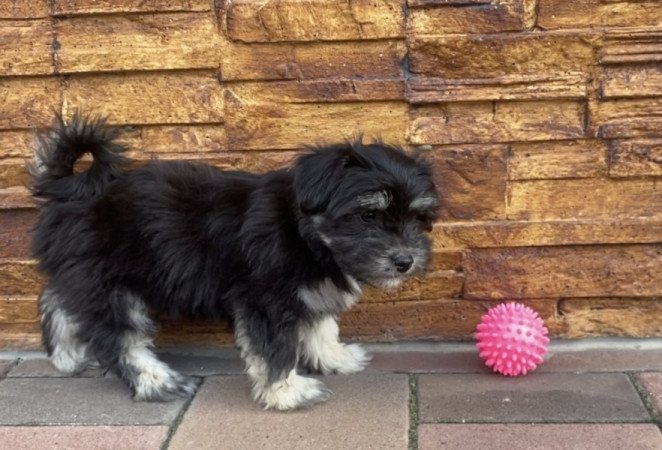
(652,382)
(366,411)
(539,436)
(467,361)
(95,401)
(538,397)
(5,366)
(202,365)
(427,362)
(87,438)
(43,368)
(603,360)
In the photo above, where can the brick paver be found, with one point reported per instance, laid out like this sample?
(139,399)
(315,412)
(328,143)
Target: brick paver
(366,411)
(603,360)
(83,438)
(5,366)
(98,401)
(43,368)
(427,362)
(203,365)
(539,436)
(652,382)
(537,397)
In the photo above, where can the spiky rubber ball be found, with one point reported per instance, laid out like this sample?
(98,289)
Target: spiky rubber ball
(512,339)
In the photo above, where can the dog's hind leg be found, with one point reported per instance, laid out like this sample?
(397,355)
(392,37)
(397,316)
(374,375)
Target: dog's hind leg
(321,349)
(60,329)
(123,342)
(270,353)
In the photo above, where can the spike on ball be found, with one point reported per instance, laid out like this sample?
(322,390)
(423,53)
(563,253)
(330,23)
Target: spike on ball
(512,339)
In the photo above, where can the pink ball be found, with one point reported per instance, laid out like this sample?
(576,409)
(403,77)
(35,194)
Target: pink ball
(512,339)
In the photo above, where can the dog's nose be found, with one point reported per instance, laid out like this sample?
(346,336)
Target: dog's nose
(402,262)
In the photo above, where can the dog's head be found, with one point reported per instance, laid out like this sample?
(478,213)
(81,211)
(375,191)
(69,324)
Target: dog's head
(371,206)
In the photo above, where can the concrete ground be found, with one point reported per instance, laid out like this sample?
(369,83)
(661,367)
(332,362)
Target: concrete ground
(604,394)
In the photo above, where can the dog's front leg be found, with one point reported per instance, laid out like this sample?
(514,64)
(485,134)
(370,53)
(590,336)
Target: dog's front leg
(269,351)
(321,349)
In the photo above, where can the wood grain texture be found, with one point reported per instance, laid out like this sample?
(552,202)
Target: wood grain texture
(18,310)
(322,91)
(584,198)
(142,42)
(28,102)
(556,160)
(632,81)
(635,158)
(23,9)
(148,98)
(81,7)
(483,56)
(458,123)
(429,320)
(554,14)
(20,336)
(184,140)
(632,317)
(17,197)
(314,20)
(16,144)
(494,234)
(422,89)
(551,272)
(256,125)
(15,226)
(283,61)
(26,47)
(472,180)
(482,17)
(441,284)
(631,46)
(19,278)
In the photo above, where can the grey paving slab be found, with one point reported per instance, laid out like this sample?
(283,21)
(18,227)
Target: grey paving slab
(537,397)
(94,401)
(603,360)
(539,436)
(427,362)
(367,411)
(204,365)
(5,366)
(652,383)
(83,438)
(43,368)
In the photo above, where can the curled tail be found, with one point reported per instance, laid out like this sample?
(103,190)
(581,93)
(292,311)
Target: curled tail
(57,151)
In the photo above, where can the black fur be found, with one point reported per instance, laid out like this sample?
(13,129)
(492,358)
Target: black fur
(192,240)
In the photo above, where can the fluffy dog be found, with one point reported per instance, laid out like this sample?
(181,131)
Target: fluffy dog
(280,254)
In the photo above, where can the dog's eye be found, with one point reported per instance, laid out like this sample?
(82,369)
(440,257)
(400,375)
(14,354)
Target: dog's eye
(368,216)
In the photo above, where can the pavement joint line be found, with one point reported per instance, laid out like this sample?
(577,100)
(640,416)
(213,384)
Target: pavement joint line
(414,416)
(645,396)
(540,422)
(172,429)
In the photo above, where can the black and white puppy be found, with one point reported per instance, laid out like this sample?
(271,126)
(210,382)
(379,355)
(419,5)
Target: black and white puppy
(280,254)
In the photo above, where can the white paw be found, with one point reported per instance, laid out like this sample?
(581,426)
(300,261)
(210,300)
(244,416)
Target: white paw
(292,393)
(362,357)
(344,359)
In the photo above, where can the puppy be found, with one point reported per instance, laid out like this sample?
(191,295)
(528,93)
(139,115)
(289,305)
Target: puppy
(280,254)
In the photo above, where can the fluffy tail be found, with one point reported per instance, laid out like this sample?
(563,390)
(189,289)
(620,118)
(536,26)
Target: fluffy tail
(58,150)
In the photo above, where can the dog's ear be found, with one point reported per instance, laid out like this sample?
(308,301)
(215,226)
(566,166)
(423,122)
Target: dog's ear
(316,175)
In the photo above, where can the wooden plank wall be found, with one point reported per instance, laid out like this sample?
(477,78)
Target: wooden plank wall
(543,119)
